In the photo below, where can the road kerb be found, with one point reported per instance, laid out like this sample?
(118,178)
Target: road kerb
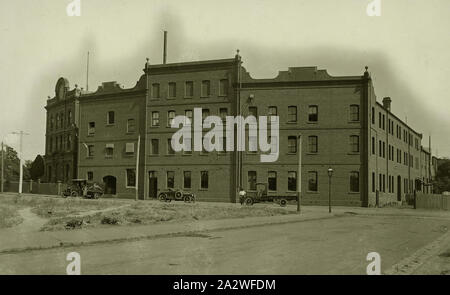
(411,263)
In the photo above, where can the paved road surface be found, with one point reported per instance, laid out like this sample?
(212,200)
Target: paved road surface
(329,246)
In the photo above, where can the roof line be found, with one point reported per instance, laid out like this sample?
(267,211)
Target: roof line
(395,116)
(191,63)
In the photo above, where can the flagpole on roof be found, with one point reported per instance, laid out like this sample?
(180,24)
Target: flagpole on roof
(87,72)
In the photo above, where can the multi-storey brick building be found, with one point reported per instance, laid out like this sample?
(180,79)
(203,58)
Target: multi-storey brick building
(375,156)
(177,89)
(330,114)
(111,121)
(394,154)
(61,133)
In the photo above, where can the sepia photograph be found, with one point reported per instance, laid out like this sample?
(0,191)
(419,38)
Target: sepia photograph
(225,144)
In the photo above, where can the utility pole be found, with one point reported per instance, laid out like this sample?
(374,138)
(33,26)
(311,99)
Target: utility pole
(147,89)
(21,134)
(237,135)
(3,168)
(137,167)
(299,176)
(429,165)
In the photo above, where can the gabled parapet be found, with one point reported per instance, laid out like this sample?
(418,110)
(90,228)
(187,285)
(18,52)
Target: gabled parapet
(297,74)
(63,92)
(109,87)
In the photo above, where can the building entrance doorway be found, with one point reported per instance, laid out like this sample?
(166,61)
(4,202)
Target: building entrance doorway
(399,188)
(110,185)
(153,185)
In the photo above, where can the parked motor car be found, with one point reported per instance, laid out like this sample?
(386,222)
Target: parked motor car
(177,195)
(75,188)
(81,188)
(93,191)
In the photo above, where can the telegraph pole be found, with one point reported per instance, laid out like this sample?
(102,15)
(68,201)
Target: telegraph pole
(21,133)
(429,165)
(299,173)
(136,175)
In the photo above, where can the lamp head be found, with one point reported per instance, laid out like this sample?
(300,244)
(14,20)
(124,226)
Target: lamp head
(330,172)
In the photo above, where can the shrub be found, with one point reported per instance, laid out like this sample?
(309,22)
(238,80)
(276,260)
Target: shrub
(74,223)
(110,220)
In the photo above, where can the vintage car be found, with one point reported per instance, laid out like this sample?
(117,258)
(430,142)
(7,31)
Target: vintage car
(80,188)
(177,195)
(94,191)
(260,195)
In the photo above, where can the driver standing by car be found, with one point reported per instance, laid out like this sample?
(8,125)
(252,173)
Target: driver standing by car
(85,189)
(96,186)
(242,194)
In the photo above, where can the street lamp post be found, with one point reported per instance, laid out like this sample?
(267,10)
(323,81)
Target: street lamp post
(330,173)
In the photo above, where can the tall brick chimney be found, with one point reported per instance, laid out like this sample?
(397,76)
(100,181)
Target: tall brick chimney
(165,48)
(387,103)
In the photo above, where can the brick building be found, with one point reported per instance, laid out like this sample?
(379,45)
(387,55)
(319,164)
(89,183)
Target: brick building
(376,157)
(61,133)
(111,120)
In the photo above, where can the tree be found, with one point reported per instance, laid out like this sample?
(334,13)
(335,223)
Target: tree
(12,165)
(26,169)
(11,161)
(443,175)
(37,168)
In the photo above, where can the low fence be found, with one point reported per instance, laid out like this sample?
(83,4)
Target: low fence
(35,187)
(410,199)
(432,201)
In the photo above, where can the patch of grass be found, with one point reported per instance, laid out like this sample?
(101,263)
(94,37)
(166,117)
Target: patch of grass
(49,207)
(62,213)
(144,212)
(9,216)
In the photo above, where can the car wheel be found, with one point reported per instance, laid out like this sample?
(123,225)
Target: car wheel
(178,195)
(74,194)
(96,195)
(248,201)
(283,203)
(187,199)
(162,197)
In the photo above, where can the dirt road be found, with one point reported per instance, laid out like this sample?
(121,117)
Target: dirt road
(328,246)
